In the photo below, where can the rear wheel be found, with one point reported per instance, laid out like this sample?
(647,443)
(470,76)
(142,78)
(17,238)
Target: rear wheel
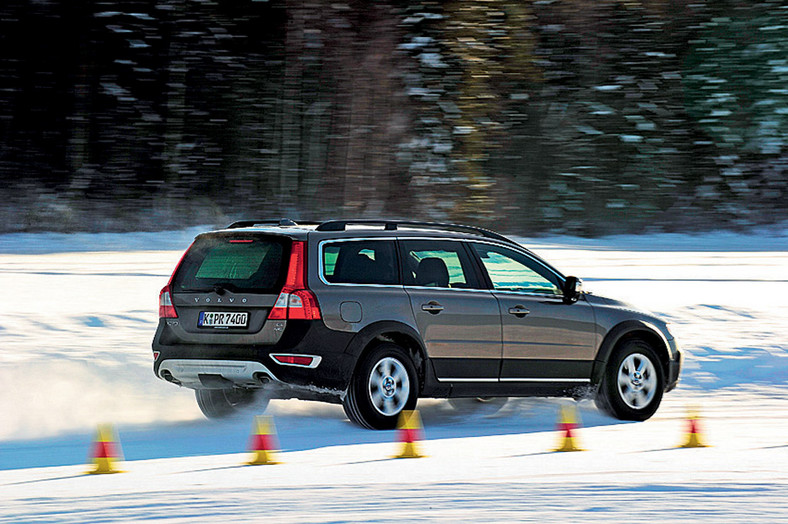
(383,385)
(633,383)
(223,403)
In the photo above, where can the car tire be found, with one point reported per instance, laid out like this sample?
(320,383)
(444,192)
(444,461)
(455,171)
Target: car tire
(383,385)
(224,403)
(633,383)
(483,405)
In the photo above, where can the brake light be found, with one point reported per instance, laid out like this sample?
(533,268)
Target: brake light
(295,301)
(166,309)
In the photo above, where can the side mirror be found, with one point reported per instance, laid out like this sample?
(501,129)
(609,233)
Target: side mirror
(573,287)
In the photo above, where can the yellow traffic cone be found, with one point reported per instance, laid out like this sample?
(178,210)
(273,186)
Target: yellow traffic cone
(409,432)
(263,443)
(568,425)
(694,439)
(105,451)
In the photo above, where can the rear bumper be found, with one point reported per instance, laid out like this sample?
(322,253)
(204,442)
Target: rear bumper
(209,374)
(204,366)
(674,365)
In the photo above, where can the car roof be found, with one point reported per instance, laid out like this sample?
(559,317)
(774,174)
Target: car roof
(378,228)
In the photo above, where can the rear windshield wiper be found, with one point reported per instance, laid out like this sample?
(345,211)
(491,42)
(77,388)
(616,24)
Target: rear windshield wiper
(221,287)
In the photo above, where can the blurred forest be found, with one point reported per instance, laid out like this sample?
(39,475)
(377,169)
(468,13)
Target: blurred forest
(566,116)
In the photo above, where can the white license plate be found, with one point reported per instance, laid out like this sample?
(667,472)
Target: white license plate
(222,319)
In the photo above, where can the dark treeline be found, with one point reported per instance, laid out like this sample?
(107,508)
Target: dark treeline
(576,116)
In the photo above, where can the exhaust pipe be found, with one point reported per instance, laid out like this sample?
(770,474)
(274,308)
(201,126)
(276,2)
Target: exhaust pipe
(166,375)
(262,379)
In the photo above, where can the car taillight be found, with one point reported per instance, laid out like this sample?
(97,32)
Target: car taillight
(295,301)
(166,309)
(306,361)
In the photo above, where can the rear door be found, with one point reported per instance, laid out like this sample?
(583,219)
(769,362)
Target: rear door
(458,320)
(226,286)
(544,339)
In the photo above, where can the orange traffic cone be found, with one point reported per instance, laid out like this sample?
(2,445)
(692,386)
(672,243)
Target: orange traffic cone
(263,443)
(694,439)
(105,451)
(568,425)
(409,432)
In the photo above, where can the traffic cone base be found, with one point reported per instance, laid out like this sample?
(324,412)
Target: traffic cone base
(568,444)
(262,458)
(104,466)
(694,441)
(409,451)
(409,432)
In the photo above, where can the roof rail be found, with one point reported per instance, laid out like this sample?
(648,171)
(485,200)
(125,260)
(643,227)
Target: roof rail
(393,225)
(267,222)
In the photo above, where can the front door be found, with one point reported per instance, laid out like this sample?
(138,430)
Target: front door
(458,320)
(544,339)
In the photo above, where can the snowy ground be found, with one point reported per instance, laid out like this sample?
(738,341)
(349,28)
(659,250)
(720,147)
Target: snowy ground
(75,330)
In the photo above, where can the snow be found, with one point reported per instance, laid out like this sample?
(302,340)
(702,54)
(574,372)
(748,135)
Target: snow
(631,472)
(41,243)
(75,331)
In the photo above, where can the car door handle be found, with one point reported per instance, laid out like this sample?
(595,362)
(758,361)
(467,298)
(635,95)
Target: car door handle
(518,311)
(432,307)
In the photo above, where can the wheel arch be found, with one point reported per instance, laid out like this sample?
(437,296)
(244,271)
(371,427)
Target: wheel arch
(392,332)
(628,330)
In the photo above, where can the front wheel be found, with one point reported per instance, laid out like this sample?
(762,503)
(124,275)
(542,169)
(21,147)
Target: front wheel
(383,385)
(223,403)
(633,382)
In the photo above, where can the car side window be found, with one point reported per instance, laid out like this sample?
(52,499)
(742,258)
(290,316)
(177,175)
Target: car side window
(360,262)
(444,264)
(513,271)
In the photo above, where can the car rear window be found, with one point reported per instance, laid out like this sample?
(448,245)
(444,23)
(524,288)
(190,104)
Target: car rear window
(235,264)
